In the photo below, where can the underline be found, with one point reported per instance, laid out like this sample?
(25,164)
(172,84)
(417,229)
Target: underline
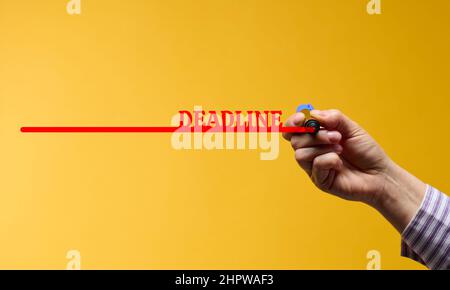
(165,130)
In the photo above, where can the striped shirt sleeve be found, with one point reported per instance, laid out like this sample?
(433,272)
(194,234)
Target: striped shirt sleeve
(427,237)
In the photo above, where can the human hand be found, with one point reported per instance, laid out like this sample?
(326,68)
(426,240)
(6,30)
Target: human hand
(343,159)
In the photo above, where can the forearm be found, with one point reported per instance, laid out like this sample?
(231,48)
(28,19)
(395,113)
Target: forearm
(421,214)
(401,196)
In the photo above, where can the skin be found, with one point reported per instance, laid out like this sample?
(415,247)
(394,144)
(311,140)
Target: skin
(345,161)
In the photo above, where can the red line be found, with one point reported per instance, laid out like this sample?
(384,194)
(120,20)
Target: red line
(151,130)
(98,129)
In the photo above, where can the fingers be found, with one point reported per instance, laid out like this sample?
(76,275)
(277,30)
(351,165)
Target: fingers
(319,155)
(306,156)
(307,147)
(324,169)
(294,120)
(323,137)
(335,120)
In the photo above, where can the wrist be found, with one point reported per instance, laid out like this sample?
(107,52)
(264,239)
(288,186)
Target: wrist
(400,197)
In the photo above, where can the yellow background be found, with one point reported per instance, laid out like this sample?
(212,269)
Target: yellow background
(131,201)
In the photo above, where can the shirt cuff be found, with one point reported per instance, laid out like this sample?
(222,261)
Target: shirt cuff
(427,237)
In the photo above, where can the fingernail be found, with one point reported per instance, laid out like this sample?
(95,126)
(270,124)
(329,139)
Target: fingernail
(334,137)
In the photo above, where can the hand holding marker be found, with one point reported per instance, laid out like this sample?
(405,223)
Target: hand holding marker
(309,122)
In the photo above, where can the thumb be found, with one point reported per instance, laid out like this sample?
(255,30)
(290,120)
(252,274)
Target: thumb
(336,120)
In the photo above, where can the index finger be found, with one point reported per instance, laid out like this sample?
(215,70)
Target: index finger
(295,120)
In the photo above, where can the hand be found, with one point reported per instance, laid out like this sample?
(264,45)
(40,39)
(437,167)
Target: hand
(344,160)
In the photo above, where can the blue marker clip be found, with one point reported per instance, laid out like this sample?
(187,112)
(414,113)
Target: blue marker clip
(308,107)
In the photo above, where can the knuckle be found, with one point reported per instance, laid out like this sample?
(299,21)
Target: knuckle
(318,162)
(302,156)
(293,143)
(299,156)
(296,142)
